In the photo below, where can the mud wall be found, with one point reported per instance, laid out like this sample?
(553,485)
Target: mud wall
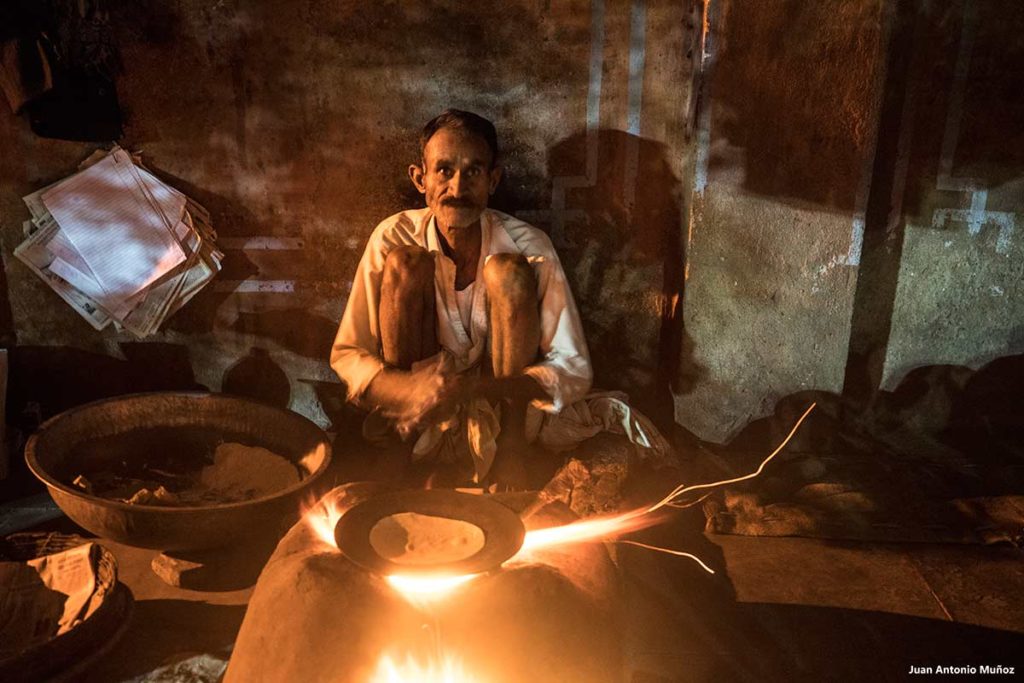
(855,194)
(294,122)
(752,200)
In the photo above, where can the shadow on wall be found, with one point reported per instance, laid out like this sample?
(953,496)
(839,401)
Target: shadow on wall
(946,432)
(989,141)
(230,218)
(258,377)
(45,380)
(798,133)
(295,329)
(620,240)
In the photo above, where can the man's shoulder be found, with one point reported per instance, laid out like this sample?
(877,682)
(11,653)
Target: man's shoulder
(528,239)
(404,227)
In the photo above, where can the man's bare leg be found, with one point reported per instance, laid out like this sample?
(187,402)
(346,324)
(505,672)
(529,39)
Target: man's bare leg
(407,318)
(407,330)
(514,315)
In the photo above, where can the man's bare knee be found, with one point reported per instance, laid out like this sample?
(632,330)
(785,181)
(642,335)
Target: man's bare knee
(409,264)
(510,276)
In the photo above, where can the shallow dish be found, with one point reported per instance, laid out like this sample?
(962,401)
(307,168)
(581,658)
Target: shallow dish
(56,452)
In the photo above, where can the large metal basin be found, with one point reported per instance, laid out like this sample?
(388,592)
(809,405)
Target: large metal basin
(54,455)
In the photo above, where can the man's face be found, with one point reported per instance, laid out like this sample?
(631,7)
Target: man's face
(456,177)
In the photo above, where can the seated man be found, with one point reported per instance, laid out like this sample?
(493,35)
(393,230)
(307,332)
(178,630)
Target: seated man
(460,316)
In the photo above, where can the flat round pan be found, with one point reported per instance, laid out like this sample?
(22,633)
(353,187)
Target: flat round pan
(502,528)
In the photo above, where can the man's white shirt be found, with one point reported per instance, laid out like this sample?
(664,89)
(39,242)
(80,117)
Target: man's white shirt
(563,367)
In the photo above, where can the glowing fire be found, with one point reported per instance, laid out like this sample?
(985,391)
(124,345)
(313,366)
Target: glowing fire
(410,670)
(587,530)
(425,590)
(322,517)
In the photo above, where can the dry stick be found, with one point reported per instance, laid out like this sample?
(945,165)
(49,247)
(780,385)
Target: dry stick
(670,499)
(681,489)
(683,506)
(680,553)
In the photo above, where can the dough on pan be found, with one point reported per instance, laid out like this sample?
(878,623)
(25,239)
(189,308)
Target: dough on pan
(414,539)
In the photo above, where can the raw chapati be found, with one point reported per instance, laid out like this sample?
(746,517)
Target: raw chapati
(241,472)
(415,539)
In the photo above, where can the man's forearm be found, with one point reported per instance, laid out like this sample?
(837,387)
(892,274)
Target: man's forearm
(417,397)
(389,391)
(414,394)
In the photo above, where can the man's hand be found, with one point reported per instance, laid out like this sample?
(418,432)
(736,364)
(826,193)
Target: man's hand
(432,394)
(418,398)
(434,397)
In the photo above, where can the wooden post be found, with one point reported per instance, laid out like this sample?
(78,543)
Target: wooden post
(5,464)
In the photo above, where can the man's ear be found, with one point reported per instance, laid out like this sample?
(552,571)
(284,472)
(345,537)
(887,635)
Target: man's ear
(495,178)
(416,176)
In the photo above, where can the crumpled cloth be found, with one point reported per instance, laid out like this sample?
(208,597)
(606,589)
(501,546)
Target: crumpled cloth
(473,431)
(867,497)
(599,411)
(852,516)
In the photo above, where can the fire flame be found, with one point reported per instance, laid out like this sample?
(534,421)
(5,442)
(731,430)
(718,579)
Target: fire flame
(410,670)
(426,591)
(322,517)
(423,591)
(586,531)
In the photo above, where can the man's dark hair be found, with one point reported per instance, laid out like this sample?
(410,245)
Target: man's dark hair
(464,120)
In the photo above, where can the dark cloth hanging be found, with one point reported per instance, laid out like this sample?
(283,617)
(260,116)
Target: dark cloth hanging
(58,64)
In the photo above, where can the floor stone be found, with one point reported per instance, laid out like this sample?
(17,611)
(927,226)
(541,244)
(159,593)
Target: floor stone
(802,571)
(977,585)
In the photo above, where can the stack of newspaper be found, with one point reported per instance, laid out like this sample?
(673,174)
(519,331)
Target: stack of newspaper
(118,244)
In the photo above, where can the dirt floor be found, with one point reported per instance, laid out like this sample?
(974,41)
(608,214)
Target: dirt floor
(807,609)
(776,609)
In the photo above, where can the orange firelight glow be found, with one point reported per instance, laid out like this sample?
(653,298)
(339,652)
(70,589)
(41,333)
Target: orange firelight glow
(587,531)
(423,591)
(322,517)
(410,670)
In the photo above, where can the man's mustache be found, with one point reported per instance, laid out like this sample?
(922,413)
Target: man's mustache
(460,203)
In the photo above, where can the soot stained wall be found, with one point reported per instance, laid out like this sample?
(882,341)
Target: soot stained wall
(784,147)
(855,201)
(832,206)
(293,122)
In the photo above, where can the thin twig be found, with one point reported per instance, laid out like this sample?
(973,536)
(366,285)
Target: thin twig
(669,551)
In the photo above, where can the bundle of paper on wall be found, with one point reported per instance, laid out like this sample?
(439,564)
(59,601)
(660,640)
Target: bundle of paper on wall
(118,244)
